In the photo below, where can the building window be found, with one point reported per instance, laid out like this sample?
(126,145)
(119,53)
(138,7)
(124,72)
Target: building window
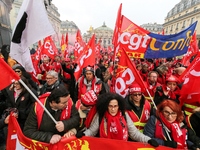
(183,24)
(177,26)
(104,41)
(108,41)
(171,28)
(192,20)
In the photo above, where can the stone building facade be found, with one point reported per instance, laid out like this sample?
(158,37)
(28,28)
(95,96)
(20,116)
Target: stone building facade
(182,15)
(103,34)
(153,27)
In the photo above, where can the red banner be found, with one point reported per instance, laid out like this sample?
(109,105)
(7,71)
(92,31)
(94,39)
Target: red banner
(7,74)
(16,140)
(87,57)
(133,38)
(49,49)
(127,74)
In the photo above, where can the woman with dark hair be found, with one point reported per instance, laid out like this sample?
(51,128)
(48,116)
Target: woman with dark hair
(168,129)
(18,97)
(112,122)
(22,72)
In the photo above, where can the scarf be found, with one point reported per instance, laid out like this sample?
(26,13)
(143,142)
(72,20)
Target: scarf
(116,127)
(177,134)
(90,116)
(17,93)
(84,86)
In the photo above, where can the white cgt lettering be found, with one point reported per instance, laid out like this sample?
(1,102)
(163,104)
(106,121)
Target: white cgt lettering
(83,59)
(48,46)
(124,81)
(134,40)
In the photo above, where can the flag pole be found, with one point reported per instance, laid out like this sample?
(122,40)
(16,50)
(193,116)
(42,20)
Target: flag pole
(38,100)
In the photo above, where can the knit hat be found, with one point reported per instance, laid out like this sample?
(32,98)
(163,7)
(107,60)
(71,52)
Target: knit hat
(89,98)
(134,88)
(89,68)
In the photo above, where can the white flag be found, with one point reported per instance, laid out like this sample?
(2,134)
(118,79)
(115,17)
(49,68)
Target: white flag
(32,25)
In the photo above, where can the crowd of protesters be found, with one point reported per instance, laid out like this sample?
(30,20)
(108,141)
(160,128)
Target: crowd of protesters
(158,116)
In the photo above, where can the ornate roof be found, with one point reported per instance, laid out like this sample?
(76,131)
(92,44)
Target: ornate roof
(69,24)
(104,28)
(182,5)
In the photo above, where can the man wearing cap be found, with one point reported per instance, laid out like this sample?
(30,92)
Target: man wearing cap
(88,82)
(137,107)
(86,108)
(169,90)
(39,126)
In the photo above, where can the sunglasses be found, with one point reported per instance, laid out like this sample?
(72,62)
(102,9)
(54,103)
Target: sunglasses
(137,94)
(17,71)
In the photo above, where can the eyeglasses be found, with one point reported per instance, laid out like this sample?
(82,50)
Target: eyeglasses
(16,83)
(173,114)
(49,78)
(18,71)
(137,94)
(113,106)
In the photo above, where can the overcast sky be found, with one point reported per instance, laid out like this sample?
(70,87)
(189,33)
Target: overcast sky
(86,13)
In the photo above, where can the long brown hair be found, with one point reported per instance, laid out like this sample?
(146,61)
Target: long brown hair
(174,106)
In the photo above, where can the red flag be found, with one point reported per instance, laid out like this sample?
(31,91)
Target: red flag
(49,48)
(190,68)
(86,58)
(66,46)
(117,30)
(192,78)
(17,141)
(163,32)
(127,74)
(127,37)
(7,74)
(192,50)
(63,45)
(79,45)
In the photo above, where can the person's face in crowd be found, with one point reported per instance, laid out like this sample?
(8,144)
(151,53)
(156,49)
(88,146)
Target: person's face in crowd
(139,67)
(17,85)
(172,85)
(57,59)
(113,107)
(169,114)
(153,78)
(136,97)
(19,72)
(89,75)
(145,68)
(106,74)
(50,79)
(45,60)
(62,104)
